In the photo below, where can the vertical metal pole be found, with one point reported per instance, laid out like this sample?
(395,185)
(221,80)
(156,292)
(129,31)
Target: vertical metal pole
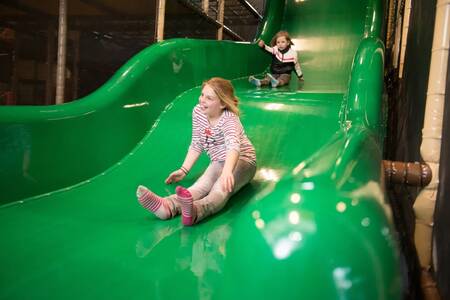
(49,64)
(61,64)
(160,13)
(205,6)
(220,14)
(76,60)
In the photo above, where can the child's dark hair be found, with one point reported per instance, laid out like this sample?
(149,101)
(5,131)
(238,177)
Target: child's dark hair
(273,42)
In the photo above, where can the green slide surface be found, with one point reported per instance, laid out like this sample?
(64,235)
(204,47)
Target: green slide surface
(312,224)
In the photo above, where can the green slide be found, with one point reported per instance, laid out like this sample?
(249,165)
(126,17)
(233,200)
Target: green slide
(312,224)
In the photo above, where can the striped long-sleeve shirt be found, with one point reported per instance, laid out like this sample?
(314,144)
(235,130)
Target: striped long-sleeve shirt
(228,134)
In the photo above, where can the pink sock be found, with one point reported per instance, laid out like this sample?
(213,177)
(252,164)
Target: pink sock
(153,202)
(187,206)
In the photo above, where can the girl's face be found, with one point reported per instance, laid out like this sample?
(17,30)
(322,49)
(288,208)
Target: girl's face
(282,42)
(210,104)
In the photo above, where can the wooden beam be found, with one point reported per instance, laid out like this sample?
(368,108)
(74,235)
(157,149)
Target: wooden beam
(220,14)
(160,14)
(61,62)
(205,6)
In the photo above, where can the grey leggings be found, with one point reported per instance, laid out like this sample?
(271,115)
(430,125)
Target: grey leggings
(283,79)
(207,192)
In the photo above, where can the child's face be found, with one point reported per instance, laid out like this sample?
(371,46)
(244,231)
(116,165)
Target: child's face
(210,104)
(282,42)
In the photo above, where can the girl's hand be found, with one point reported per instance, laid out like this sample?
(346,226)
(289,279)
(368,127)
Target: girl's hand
(261,43)
(175,176)
(227,182)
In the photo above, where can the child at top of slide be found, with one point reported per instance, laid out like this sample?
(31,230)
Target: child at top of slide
(284,61)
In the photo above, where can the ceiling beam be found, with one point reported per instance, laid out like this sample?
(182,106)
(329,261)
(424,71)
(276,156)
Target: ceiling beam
(103,7)
(91,24)
(25,8)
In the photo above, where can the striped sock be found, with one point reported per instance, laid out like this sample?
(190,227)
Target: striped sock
(153,202)
(187,206)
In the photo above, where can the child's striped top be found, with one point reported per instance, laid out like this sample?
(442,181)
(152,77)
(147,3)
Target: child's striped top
(217,140)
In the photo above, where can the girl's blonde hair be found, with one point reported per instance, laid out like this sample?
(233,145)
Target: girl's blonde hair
(225,92)
(273,42)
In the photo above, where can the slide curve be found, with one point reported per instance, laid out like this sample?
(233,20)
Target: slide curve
(313,223)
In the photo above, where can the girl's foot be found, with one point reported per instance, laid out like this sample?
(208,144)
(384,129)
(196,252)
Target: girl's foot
(301,78)
(273,81)
(153,202)
(187,205)
(253,80)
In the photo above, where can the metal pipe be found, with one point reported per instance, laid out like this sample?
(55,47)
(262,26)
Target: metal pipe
(413,174)
(61,64)
(431,144)
(232,33)
(250,8)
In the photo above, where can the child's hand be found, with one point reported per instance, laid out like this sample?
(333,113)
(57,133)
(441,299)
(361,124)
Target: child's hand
(261,43)
(227,182)
(175,176)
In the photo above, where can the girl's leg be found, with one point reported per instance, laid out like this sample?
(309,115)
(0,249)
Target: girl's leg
(217,197)
(205,182)
(265,81)
(198,190)
(283,79)
(169,207)
(163,208)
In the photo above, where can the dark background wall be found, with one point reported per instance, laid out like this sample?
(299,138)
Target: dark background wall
(442,214)
(407,107)
(407,99)
(102,36)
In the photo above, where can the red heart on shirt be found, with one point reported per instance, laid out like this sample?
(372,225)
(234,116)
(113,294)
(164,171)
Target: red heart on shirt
(208,132)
